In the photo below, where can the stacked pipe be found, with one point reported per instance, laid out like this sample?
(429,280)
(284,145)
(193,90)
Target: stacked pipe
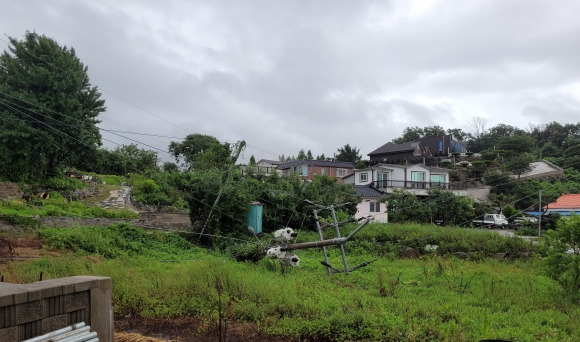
(73,333)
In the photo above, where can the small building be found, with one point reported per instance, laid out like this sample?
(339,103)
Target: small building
(308,169)
(565,205)
(371,206)
(267,167)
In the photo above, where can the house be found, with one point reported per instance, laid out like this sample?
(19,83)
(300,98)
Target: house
(417,179)
(444,145)
(265,166)
(408,153)
(307,168)
(370,205)
(564,205)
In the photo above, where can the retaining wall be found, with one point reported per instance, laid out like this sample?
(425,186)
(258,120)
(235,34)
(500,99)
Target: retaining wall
(30,310)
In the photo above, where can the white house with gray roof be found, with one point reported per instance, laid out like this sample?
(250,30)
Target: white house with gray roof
(417,179)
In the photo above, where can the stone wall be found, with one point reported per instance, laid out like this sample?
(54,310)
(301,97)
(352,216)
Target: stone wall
(30,310)
(9,190)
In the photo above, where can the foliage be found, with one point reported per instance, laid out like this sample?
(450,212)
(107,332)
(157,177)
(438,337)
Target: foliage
(123,160)
(64,184)
(114,241)
(563,261)
(442,207)
(435,298)
(49,109)
(348,154)
(510,212)
(403,206)
(199,151)
(56,205)
(519,164)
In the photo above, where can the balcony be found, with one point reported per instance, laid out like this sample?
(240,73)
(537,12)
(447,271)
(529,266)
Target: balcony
(388,185)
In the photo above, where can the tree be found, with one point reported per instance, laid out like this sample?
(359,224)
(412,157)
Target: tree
(450,208)
(478,123)
(410,134)
(309,155)
(519,164)
(516,144)
(48,107)
(433,131)
(563,261)
(200,151)
(459,134)
(349,154)
(301,155)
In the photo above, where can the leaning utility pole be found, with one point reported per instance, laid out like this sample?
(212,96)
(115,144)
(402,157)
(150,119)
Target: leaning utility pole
(238,149)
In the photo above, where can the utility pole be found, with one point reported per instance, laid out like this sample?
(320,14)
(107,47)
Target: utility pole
(283,248)
(239,147)
(540,216)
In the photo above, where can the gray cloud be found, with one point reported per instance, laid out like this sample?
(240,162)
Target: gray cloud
(289,75)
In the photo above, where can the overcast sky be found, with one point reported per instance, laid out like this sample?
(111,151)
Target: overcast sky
(314,75)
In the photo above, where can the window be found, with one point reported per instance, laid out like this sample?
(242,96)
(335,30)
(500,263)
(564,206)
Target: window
(418,179)
(382,179)
(375,207)
(324,171)
(363,177)
(437,180)
(304,170)
(340,172)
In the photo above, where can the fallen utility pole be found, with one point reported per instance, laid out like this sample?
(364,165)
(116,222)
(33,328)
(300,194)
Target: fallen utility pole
(284,249)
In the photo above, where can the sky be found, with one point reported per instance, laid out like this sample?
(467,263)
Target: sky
(314,75)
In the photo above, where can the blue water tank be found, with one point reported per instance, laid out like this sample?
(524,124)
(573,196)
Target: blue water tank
(254,217)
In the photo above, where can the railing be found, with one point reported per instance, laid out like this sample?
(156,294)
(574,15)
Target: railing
(385,184)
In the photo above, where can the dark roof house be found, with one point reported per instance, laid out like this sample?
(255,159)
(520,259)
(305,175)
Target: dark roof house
(411,153)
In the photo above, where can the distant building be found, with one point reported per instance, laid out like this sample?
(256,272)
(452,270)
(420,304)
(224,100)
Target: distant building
(409,153)
(307,168)
(444,145)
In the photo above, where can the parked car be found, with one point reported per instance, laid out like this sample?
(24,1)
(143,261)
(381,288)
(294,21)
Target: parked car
(524,221)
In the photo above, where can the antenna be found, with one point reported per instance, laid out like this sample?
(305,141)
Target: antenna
(283,249)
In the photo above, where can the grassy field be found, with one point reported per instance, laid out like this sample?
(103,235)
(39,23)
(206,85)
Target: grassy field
(436,297)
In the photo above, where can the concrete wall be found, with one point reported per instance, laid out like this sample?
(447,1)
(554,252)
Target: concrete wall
(29,310)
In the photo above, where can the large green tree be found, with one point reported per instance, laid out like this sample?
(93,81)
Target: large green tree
(48,107)
(348,154)
(200,151)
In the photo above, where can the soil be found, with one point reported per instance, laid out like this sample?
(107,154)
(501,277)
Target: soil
(138,329)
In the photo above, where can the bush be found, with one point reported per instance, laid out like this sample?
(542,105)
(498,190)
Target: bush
(563,261)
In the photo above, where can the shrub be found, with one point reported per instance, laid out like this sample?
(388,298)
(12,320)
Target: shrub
(563,261)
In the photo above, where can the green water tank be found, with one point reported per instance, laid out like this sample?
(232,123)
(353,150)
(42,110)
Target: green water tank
(254,218)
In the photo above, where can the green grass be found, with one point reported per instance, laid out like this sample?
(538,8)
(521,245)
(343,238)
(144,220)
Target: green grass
(436,298)
(20,212)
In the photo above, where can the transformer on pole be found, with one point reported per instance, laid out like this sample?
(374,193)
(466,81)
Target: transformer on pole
(283,248)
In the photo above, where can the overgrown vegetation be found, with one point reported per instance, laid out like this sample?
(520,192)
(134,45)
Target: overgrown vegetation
(433,298)
(57,205)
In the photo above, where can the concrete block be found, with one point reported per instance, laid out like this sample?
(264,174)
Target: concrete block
(9,334)
(8,292)
(28,312)
(54,323)
(7,316)
(76,301)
